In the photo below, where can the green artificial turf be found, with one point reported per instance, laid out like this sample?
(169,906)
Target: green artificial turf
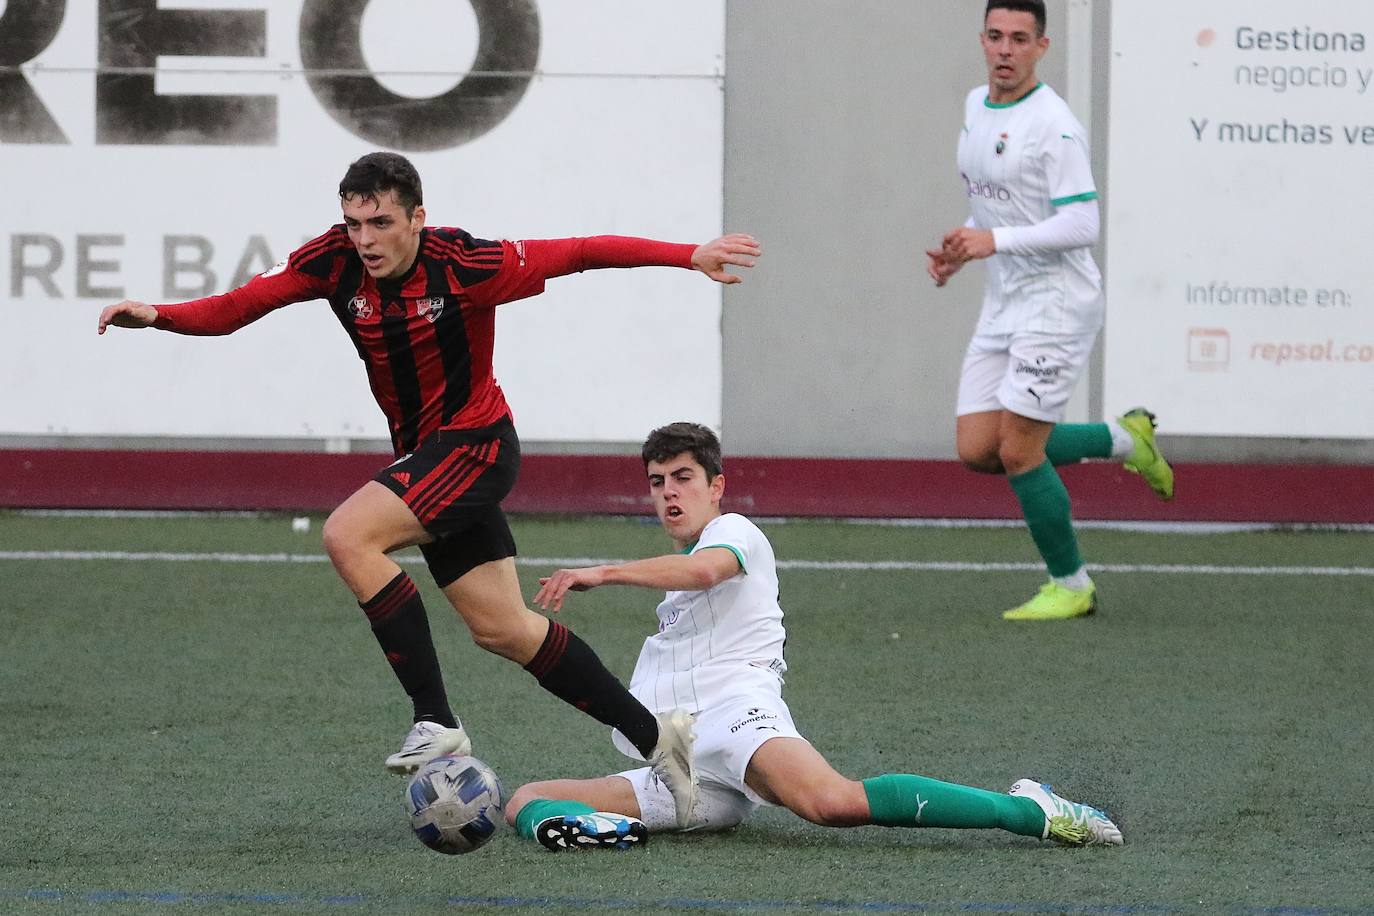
(207,736)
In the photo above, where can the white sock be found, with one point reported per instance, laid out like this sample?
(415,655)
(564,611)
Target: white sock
(1123,443)
(1078,582)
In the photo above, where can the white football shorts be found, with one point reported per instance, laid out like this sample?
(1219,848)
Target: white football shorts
(1031,375)
(727,735)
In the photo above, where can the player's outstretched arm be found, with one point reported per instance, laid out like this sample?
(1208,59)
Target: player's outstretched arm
(552,589)
(704,569)
(126,314)
(734,250)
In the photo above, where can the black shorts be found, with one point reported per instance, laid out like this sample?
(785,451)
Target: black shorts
(454,483)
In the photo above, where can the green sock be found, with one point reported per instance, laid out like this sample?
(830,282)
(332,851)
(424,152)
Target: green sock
(1045,506)
(1070,443)
(535,811)
(896,800)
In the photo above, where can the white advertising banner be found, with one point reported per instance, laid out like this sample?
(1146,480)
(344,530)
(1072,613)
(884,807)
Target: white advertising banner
(162,151)
(1240,293)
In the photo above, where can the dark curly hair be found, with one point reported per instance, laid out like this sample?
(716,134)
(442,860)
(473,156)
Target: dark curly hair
(377,173)
(675,438)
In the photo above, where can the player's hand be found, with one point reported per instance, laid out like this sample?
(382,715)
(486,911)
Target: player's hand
(940,267)
(126,314)
(965,244)
(553,588)
(736,249)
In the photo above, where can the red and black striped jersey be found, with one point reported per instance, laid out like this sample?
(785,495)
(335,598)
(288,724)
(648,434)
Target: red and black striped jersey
(427,337)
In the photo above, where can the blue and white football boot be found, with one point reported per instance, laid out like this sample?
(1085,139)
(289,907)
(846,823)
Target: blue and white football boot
(1068,822)
(599,830)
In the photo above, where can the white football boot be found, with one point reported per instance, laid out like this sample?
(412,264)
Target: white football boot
(1068,822)
(672,761)
(599,830)
(426,741)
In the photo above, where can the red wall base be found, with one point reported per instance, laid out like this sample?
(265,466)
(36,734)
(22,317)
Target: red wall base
(593,484)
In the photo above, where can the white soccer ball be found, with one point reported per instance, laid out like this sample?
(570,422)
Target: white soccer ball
(454,804)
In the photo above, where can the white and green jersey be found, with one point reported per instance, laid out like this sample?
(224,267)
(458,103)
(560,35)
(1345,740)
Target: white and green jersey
(1021,161)
(719,643)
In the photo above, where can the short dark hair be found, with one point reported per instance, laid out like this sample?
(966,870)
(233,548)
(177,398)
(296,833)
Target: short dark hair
(377,173)
(1035,7)
(672,440)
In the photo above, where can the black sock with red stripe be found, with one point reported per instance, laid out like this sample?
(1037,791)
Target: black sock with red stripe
(402,629)
(567,667)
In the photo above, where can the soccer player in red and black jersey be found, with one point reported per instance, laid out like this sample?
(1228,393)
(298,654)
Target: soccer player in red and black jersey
(419,304)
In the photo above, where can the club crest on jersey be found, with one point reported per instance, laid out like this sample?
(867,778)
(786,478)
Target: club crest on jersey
(360,308)
(430,308)
(1001,145)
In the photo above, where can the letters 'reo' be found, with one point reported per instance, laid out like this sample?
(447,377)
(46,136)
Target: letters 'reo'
(331,51)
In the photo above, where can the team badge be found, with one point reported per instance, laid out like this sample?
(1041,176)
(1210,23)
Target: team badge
(430,308)
(360,307)
(1001,145)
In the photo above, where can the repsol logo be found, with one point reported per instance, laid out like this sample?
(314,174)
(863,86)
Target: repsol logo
(985,189)
(134,33)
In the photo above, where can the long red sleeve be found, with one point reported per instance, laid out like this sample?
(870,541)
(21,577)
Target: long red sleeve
(558,257)
(226,313)
(530,262)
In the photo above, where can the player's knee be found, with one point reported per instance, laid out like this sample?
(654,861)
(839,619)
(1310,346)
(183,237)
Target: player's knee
(337,542)
(984,461)
(1018,457)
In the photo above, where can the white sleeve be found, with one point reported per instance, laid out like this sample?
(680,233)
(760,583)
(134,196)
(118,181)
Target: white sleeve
(1074,225)
(732,532)
(1076,222)
(1068,165)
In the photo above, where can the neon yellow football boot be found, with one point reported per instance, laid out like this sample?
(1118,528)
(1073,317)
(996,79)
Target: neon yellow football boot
(1147,460)
(1055,602)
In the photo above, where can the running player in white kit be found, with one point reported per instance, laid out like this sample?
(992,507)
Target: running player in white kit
(1024,161)
(718,654)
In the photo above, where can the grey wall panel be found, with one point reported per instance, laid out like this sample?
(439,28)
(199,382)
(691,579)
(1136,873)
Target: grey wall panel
(840,123)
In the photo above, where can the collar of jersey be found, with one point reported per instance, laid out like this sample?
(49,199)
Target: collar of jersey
(989,103)
(690,547)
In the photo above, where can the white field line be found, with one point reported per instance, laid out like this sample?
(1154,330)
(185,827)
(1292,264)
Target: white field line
(842,565)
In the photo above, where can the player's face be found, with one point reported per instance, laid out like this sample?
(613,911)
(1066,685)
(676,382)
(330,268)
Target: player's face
(386,239)
(683,498)
(1012,50)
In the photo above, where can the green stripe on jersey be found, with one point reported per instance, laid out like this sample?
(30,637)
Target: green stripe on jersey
(1061,201)
(738,556)
(989,103)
